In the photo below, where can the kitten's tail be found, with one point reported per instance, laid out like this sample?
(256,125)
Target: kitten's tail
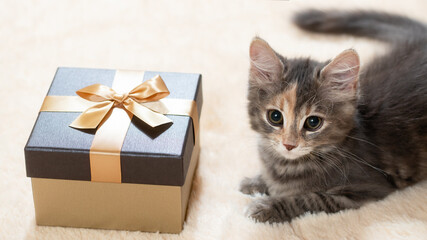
(382,26)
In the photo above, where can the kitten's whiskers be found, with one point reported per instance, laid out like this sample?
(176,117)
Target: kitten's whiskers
(332,161)
(352,156)
(365,141)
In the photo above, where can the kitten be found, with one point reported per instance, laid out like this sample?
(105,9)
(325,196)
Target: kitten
(333,137)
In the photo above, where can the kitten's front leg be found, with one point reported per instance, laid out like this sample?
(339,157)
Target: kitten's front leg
(285,208)
(253,185)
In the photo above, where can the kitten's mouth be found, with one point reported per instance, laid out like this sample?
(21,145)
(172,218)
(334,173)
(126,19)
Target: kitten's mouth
(294,153)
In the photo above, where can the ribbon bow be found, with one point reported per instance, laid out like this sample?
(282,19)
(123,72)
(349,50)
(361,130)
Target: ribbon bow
(148,91)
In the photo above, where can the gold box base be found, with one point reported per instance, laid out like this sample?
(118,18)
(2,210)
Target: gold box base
(121,206)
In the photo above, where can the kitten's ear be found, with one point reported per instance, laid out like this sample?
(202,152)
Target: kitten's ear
(342,73)
(265,64)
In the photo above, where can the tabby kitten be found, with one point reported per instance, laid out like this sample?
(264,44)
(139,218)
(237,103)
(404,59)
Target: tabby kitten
(333,137)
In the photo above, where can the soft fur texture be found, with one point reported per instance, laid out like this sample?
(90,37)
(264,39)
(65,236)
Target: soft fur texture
(184,36)
(332,138)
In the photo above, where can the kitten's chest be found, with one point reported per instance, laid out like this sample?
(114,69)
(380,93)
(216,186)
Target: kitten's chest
(294,179)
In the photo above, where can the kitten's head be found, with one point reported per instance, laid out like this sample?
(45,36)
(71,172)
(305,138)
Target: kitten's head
(300,106)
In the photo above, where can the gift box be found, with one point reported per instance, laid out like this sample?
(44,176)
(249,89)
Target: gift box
(115,149)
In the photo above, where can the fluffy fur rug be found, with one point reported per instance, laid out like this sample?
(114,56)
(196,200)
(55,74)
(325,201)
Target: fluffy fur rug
(183,36)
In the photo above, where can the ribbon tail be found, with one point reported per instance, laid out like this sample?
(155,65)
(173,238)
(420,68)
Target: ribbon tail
(157,106)
(145,114)
(93,116)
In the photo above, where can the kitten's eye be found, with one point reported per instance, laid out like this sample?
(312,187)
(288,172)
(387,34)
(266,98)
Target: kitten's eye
(275,117)
(313,123)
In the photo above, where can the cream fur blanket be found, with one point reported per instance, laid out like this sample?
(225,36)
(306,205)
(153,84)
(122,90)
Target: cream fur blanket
(209,37)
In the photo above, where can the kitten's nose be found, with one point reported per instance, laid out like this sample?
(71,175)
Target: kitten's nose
(289,147)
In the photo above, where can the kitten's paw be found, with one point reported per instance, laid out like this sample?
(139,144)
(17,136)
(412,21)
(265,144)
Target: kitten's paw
(264,210)
(252,186)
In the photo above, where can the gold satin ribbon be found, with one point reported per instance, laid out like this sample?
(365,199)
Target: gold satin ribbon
(167,106)
(107,98)
(112,113)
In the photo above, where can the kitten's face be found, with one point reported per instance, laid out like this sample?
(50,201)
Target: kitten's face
(297,125)
(301,106)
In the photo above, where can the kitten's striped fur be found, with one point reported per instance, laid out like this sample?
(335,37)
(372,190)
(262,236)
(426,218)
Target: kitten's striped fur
(374,137)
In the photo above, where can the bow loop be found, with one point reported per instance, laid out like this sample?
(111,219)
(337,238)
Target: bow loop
(148,91)
(96,93)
